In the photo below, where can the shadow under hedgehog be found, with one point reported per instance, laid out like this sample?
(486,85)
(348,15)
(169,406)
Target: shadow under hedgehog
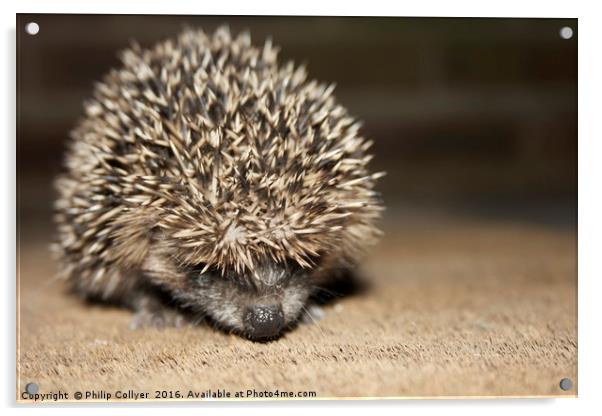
(207,180)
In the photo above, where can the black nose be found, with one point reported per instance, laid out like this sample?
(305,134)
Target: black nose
(264,321)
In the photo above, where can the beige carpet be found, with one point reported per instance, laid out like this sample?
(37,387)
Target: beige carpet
(469,308)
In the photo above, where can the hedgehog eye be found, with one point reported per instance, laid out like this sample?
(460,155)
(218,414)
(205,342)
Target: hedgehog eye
(197,268)
(294,267)
(200,269)
(315,261)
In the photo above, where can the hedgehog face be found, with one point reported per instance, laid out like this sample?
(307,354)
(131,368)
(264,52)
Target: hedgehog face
(259,305)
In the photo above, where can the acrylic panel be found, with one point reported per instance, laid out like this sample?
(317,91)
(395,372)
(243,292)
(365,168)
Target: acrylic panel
(265,207)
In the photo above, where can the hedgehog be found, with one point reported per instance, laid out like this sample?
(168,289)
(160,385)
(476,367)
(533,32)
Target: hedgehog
(206,181)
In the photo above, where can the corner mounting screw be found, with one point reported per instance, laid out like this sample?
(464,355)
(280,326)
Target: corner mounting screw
(31,388)
(566,384)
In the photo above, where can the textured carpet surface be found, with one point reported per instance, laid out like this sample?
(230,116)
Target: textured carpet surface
(469,308)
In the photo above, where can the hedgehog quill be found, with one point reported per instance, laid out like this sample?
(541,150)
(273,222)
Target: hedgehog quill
(207,180)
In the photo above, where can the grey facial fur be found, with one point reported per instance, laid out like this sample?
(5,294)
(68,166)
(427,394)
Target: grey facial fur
(226,298)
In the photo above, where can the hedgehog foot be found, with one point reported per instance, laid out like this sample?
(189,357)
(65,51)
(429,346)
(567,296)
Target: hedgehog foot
(150,313)
(157,319)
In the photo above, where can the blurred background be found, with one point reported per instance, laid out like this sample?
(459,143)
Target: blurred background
(475,116)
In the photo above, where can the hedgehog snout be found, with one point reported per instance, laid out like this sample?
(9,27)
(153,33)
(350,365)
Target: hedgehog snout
(264,321)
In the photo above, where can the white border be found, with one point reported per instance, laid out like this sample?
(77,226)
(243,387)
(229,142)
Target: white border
(589,33)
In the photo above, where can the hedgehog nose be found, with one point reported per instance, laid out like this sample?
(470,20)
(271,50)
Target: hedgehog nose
(264,321)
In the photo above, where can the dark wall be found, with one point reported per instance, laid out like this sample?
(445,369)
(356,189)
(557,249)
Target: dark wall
(459,109)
